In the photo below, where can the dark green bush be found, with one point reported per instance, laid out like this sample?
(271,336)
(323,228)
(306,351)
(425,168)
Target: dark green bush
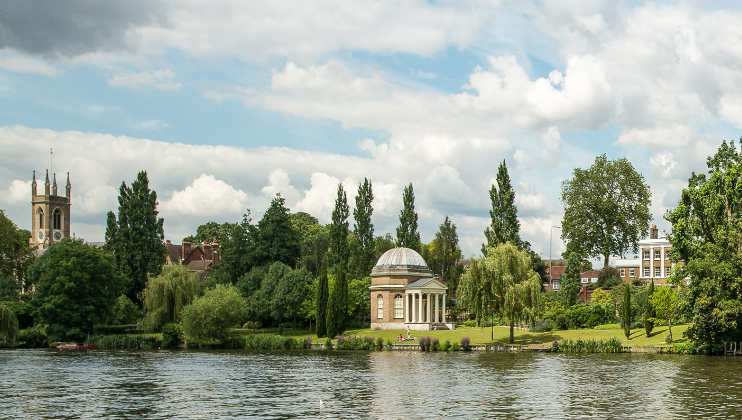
(270,342)
(305,344)
(435,344)
(328,344)
(32,338)
(446,346)
(355,343)
(170,335)
(379,343)
(543,325)
(121,341)
(611,345)
(236,342)
(465,345)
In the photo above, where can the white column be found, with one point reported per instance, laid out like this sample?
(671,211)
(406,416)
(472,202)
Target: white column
(444,308)
(437,316)
(651,262)
(420,307)
(662,263)
(406,307)
(429,308)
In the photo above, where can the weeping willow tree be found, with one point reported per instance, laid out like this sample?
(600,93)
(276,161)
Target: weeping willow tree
(166,295)
(471,291)
(514,288)
(8,327)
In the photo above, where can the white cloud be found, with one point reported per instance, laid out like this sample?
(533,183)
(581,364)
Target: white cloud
(206,196)
(152,125)
(523,160)
(22,64)
(279,182)
(159,79)
(18,192)
(425,75)
(663,163)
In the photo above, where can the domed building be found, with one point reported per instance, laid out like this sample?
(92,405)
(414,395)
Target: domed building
(404,293)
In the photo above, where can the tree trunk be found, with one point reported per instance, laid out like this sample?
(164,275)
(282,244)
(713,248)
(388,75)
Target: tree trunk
(669,327)
(605,259)
(512,332)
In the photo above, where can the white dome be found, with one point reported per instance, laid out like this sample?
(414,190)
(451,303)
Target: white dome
(401,260)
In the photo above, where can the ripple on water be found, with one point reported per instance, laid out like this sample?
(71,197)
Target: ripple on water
(277,385)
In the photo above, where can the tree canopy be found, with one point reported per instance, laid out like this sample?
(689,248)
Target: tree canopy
(208,320)
(276,237)
(16,255)
(570,282)
(76,286)
(407,234)
(166,295)
(606,209)
(136,237)
(445,253)
(706,237)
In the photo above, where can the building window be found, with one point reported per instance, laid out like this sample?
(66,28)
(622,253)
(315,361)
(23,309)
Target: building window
(41,219)
(646,255)
(623,272)
(632,273)
(398,306)
(657,272)
(379,307)
(657,255)
(555,285)
(57,219)
(646,271)
(667,271)
(585,280)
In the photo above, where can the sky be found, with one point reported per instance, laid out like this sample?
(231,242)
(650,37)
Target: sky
(225,104)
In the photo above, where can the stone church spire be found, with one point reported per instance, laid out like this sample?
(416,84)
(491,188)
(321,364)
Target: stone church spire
(46,184)
(69,186)
(54,185)
(33,184)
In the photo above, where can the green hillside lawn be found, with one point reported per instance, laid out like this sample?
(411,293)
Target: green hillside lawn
(502,334)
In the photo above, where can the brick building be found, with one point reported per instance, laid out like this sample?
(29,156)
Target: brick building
(199,259)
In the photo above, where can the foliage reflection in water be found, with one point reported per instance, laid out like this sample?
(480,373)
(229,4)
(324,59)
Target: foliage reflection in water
(290,384)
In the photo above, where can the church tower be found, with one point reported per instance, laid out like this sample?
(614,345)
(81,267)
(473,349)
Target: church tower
(50,213)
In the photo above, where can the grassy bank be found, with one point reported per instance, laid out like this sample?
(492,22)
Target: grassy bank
(502,335)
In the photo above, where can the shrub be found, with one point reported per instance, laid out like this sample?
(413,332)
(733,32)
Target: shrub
(455,347)
(355,343)
(471,324)
(544,325)
(446,346)
(607,327)
(668,339)
(170,335)
(555,346)
(611,345)
(388,345)
(424,343)
(685,348)
(328,344)
(465,344)
(235,342)
(32,338)
(208,319)
(123,341)
(271,342)
(435,345)
(380,343)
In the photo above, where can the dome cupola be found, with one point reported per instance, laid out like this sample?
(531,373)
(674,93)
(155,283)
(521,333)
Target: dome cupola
(401,261)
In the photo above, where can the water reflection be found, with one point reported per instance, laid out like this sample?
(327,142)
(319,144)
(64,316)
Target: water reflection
(277,385)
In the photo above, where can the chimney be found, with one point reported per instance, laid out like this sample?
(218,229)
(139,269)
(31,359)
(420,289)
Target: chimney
(185,248)
(207,251)
(653,232)
(168,242)
(215,252)
(33,184)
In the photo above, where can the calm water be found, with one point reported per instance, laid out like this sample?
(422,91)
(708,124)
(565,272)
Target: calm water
(242,384)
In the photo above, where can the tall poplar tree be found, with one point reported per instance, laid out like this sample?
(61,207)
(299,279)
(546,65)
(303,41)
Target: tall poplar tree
(337,305)
(504,226)
(136,237)
(364,230)
(322,295)
(570,282)
(649,312)
(626,310)
(446,253)
(407,234)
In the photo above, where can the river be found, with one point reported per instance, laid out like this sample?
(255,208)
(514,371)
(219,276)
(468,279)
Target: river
(378,385)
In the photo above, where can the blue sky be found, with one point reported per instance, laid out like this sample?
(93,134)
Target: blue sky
(227,103)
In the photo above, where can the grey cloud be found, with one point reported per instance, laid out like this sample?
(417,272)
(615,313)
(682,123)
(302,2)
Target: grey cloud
(56,29)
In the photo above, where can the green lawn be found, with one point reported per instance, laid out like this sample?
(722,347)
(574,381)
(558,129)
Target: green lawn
(502,334)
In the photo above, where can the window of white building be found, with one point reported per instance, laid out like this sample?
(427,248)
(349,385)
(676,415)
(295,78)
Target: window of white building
(379,306)
(657,272)
(398,306)
(646,271)
(623,272)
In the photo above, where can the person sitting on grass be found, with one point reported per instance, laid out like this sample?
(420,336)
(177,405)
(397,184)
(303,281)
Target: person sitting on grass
(399,338)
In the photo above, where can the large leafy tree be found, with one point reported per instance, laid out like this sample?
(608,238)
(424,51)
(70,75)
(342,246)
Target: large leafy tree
(289,294)
(76,285)
(664,301)
(606,209)
(166,295)
(16,255)
(570,282)
(407,234)
(706,236)
(277,240)
(504,225)
(136,236)
(474,291)
(236,249)
(208,320)
(315,241)
(364,231)
(9,331)
(445,254)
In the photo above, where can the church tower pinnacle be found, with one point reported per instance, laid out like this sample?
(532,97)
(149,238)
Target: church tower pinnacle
(50,212)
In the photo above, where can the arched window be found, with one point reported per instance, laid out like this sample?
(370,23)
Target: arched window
(398,306)
(379,306)
(41,219)
(57,219)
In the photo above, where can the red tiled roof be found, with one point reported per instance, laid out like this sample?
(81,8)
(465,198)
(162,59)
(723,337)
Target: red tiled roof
(556,272)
